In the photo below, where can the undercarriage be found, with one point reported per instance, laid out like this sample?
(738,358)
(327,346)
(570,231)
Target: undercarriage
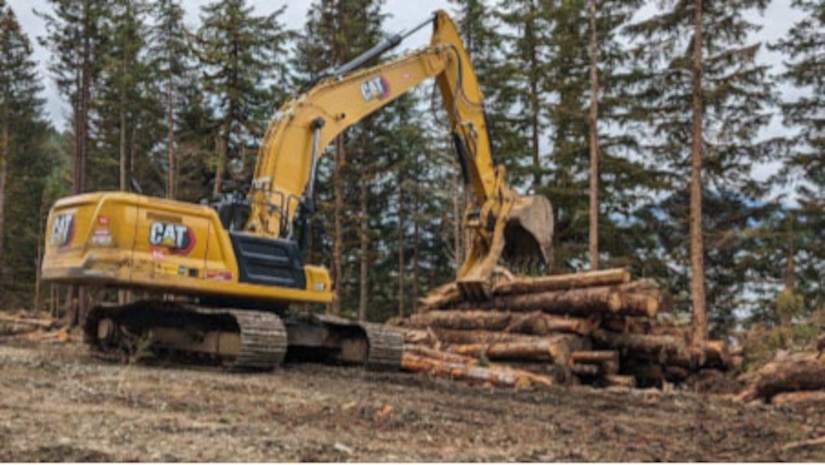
(238,339)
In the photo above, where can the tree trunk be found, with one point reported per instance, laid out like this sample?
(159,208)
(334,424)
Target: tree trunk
(364,239)
(458,217)
(223,150)
(5,144)
(122,184)
(594,140)
(800,397)
(402,277)
(338,233)
(448,294)
(562,282)
(588,301)
(785,375)
(170,137)
(554,349)
(416,255)
(538,323)
(697,249)
(493,374)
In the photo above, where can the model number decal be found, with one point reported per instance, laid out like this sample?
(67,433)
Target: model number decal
(375,88)
(62,230)
(177,238)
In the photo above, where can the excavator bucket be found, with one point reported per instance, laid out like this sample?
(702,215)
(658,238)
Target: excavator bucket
(528,234)
(523,236)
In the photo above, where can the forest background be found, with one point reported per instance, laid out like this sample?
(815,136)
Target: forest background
(710,175)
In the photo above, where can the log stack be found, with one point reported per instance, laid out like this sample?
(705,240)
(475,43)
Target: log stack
(599,328)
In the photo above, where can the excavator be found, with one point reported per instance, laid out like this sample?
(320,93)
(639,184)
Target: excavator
(227,273)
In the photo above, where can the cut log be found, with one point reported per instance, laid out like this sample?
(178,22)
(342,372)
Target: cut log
(580,369)
(34,322)
(493,374)
(785,375)
(618,381)
(429,352)
(535,323)
(594,356)
(663,349)
(607,361)
(556,349)
(440,297)
(590,301)
(562,282)
(812,398)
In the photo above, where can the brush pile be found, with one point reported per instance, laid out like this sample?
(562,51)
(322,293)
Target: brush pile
(598,328)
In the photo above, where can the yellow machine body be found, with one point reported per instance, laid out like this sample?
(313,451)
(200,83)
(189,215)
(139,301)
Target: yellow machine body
(133,241)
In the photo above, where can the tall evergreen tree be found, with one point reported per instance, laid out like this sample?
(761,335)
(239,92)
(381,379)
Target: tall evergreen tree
(703,90)
(26,161)
(171,60)
(240,53)
(75,37)
(804,170)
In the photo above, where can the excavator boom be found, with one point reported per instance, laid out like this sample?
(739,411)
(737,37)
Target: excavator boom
(504,224)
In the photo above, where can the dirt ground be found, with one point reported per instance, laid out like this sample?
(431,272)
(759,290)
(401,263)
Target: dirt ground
(58,403)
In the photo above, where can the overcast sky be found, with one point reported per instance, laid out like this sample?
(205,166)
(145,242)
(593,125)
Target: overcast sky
(403,14)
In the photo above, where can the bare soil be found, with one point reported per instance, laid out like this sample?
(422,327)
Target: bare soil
(59,403)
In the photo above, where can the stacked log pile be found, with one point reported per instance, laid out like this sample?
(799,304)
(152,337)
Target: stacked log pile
(790,378)
(597,327)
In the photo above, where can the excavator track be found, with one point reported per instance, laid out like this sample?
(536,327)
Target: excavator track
(386,347)
(262,335)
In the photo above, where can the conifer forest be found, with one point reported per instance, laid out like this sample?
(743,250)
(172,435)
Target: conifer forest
(644,122)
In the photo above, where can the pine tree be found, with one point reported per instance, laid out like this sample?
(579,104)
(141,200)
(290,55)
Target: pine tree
(74,35)
(804,169)
(703,90)
(239,53)
(127,112)
(171,60)
(25,160)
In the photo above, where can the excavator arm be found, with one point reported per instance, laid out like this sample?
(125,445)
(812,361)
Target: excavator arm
(285,173)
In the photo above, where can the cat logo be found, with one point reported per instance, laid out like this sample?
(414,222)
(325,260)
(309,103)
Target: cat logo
(62,230)
(377,87)
(177,238)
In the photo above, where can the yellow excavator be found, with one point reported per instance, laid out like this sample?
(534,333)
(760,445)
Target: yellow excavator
(229,272)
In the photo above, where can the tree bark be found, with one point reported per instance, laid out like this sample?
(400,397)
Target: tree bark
(170,136)
(448,294)
(5,144)
(493,374)
(589,301)
(554,349)
(785,375)
(537,323)
(402,276)
(662,348)
(337,246)
(697,249)
(594,140)
(562,282)
(800,397)
(364,241)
